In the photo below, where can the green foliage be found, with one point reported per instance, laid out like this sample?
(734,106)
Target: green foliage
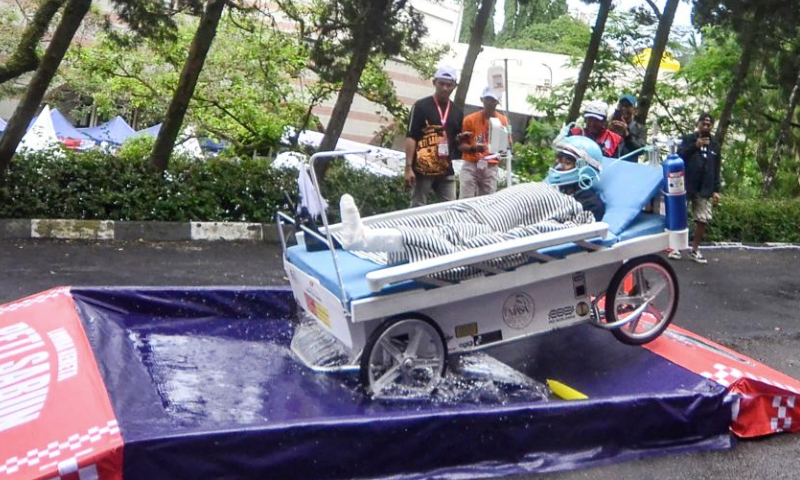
(373,194)
(245,93)
(468,15)
(521,15)
(563,35)
(756,115)
(97,186)
(755,221)
(340,27)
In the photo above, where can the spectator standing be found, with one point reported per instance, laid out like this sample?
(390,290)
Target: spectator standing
(634,136)
(701,153)
(595,116)
(478,175)
(431,141)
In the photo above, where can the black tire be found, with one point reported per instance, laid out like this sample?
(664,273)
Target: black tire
(660,270)
(395,325)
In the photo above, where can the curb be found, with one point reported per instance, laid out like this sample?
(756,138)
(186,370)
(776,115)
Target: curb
(131,231)
(19,229)
(752,246)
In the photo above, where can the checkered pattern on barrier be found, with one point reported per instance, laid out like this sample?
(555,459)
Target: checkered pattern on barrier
(782,405)
(68,470)
(725,376)
(10,307)
(53,454)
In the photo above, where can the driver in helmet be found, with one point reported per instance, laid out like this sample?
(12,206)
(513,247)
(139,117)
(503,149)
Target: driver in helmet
(575,174)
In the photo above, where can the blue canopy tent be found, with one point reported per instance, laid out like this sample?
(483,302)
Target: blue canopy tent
(64,128)
(152,131)
(213,146)
(115,131)
(207,144)
(69,135)
(2,125)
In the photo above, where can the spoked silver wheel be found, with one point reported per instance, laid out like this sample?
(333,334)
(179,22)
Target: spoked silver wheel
(641,300)
(405,357)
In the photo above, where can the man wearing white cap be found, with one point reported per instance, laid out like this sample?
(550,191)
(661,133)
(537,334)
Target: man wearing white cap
(595,115)
(434,130)
(478,175)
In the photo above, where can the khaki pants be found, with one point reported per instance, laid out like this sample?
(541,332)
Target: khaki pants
(476,181)
(444,187)
(701,208)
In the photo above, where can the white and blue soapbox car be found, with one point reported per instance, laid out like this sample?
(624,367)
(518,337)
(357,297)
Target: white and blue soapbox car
(398,324)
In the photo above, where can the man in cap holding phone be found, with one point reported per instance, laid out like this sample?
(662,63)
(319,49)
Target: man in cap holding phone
(634,136)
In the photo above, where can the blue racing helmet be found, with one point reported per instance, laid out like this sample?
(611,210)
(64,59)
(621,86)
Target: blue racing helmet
(589,146)
(587,155)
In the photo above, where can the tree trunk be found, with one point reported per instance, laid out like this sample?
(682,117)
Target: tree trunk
(748,49)
(352,76)
(588,60)
(475,46)
(201,44)
(343,103)
(70,22)
(651,74)
(783,134)
(24,59)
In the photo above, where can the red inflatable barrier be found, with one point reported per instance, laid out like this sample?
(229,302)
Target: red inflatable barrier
(767,399)
(56,420)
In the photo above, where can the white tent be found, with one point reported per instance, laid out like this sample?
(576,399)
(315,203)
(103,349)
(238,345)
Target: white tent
(41,135)
(188,145)
(380,161)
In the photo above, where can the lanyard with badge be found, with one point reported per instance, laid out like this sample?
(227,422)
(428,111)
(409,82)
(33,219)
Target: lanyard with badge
(443,149)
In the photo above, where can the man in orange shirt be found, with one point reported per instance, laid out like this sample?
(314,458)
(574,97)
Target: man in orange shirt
(478,174)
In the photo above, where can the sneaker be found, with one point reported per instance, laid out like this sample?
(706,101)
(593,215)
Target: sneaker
(697,256)
(674,255)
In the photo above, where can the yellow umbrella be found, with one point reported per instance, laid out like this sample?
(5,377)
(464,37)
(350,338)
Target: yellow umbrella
(668,62)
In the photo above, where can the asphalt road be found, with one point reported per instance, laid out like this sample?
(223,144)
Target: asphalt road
(746,300)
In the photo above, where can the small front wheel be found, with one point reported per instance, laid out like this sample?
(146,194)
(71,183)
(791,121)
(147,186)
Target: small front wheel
(642,297)
(404,357)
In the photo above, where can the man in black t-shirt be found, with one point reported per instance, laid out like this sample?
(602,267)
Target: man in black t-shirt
(434,130)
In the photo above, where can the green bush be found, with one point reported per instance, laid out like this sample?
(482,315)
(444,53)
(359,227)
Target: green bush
(98,186)
(755,221)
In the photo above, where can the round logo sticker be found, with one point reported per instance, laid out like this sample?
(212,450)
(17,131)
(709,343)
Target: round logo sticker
(518,311)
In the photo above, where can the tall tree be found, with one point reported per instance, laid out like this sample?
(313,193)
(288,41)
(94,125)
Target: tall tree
(347,34)
(376,26)
(475,47)
(589,59)
(468,14)
(520,15)
(783,135)
(71,19)
(665,20)
(247,93)
(757,25)
(201,44)
(25,58)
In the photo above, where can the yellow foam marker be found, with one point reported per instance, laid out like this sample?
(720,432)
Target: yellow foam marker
(564,392)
